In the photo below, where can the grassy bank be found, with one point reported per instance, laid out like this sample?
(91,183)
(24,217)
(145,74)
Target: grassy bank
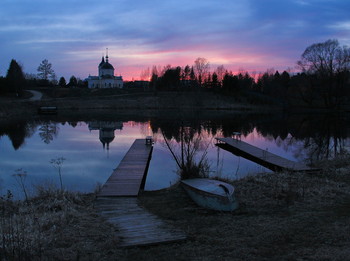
(282,216)
(148,103)
(54,225)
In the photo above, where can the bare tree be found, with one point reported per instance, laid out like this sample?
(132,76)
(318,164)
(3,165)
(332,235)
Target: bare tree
(201,68)
(329,62)
(155,70)
(190,153)
(145,75)
(220,72)
(45,70)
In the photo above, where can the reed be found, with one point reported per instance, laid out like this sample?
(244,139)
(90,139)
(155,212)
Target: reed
(190,154)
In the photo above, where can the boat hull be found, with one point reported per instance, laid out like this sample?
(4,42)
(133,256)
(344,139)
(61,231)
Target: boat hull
(211,194)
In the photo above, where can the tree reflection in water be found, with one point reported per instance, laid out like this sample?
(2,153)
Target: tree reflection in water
(313,137)
(321,137)
(17,132)
(48,131)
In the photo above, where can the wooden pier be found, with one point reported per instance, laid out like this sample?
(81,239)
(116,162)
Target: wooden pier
(261,157)
(117,201)
(136,226)
(129,177)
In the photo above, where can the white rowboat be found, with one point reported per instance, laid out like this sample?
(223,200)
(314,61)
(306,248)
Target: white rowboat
(211,194)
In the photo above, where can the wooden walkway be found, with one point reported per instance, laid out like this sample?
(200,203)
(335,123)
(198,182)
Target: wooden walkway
(136,226)
(117,201)
(262,157)
(127,179)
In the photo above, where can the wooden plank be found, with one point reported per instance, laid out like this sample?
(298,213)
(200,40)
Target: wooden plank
(126,179)
(262,157)
(136,226)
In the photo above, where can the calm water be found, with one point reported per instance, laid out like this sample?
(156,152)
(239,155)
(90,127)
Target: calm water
(92,149)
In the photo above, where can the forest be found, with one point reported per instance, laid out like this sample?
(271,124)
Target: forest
(323,79)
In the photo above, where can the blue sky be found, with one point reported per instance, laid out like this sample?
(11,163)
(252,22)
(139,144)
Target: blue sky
(252,35)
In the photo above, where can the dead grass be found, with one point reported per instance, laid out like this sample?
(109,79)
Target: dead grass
(282,216)
(54,225)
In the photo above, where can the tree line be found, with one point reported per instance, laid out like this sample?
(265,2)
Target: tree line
(323,80)
(16,80)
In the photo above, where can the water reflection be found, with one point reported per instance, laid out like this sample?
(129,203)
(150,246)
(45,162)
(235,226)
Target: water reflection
(17,131)
(312,137)
(48,131)
(106,131)
(32,144)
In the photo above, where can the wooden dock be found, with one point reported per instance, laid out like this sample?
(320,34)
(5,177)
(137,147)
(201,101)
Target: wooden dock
(129,177)
(117,201)
(261,157)
(136,226)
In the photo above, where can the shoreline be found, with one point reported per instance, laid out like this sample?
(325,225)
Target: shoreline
(146,103)
(282,216)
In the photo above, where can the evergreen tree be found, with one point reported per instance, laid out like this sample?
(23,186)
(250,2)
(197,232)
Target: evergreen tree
(214,81)
(62,82)
(73,82)
(2,85)
(15,78)
(186,73)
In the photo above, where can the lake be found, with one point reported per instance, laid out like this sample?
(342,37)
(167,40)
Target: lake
(93,148)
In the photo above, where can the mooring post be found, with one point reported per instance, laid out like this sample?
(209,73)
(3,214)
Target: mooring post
(149,140)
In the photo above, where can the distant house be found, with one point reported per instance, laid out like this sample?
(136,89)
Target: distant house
(105,78)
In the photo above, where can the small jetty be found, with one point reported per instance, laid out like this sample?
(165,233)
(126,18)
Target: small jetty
(129,177)
(117,201)
(260,156)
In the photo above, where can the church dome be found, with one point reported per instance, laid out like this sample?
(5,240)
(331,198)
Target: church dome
(106,136)
(107,65)
(102,62)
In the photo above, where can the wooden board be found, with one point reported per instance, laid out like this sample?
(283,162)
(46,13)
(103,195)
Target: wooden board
(127,178)
(136,226)
(262,157)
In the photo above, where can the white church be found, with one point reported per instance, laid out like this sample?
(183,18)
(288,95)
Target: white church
(105,78)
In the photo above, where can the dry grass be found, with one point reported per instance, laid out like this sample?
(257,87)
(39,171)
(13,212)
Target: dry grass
(282,216)
(54,225)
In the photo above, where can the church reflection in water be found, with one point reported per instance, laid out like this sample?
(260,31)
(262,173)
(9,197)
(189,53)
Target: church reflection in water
(106,130)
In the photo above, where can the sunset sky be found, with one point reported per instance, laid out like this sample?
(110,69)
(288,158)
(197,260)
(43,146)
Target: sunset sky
(252,35)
